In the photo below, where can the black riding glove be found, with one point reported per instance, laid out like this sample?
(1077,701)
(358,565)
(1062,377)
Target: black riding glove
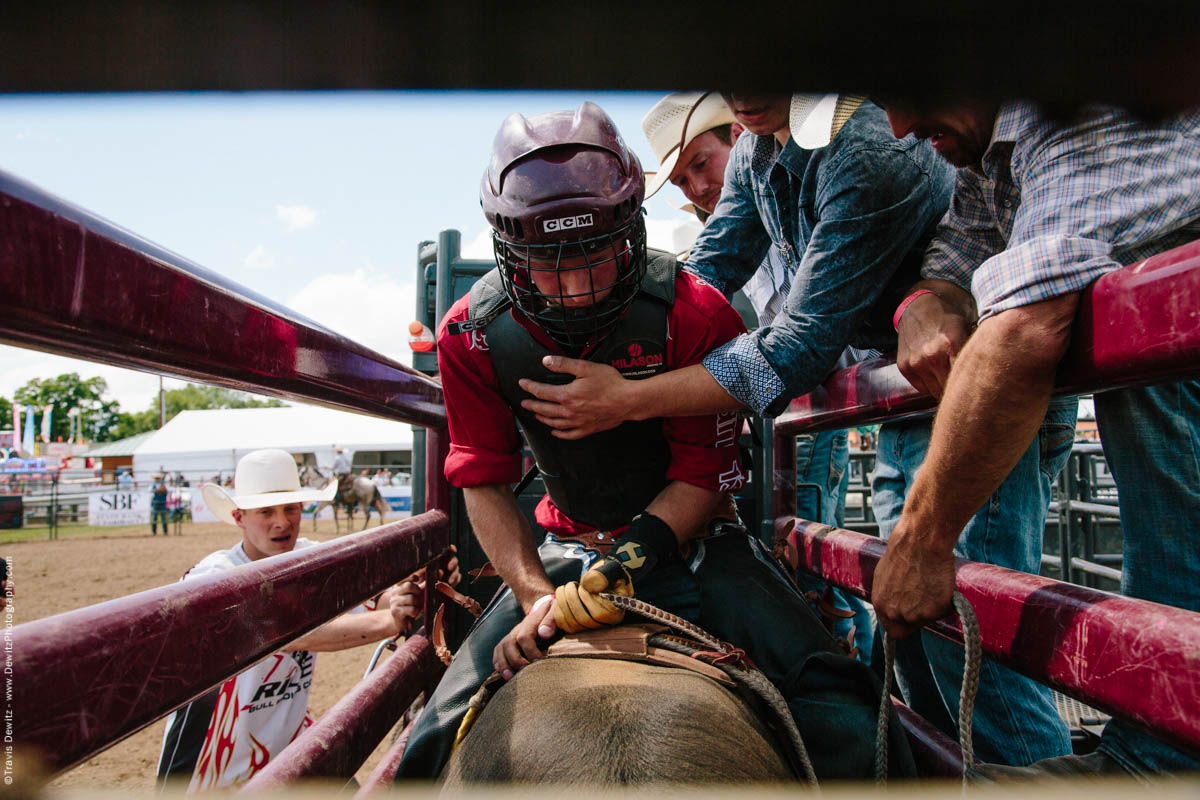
(646,542)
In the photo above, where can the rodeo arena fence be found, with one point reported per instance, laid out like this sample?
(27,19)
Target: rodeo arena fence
(52,499)
(75,284)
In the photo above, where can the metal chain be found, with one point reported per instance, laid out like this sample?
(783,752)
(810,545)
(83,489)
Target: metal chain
(973,656)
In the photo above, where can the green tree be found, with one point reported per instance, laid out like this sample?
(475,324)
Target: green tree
(5,413)
(197,396)
(67,391)
(132,424)
(190,397)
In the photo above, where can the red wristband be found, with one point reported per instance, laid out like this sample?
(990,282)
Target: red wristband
(904,304)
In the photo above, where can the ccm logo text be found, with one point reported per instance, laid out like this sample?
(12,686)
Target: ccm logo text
(567,223)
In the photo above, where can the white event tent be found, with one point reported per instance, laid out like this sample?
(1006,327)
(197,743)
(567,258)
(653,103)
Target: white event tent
(206,443)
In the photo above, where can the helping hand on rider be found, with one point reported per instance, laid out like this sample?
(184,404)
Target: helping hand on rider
(598,398)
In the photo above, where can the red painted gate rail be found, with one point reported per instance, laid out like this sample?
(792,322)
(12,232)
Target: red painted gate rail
(1132,658)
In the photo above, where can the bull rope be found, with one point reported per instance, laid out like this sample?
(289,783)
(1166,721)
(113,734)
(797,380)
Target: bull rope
(973,644)
(747,677)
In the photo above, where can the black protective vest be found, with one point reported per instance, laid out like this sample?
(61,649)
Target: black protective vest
(606,479)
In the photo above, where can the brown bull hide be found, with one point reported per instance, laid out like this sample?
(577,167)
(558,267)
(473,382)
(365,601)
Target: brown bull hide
(600,721)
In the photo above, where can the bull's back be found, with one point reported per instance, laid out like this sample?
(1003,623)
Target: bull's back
(578,720)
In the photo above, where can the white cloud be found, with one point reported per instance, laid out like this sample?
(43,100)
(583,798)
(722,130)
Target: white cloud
(366,305)
(480,246)
(297,217)
(260,258)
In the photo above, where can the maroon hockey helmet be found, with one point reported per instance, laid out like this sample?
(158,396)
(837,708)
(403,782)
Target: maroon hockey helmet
(563,195)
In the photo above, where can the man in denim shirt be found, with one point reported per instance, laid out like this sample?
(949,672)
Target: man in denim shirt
(692,135)
(849,208)
(1040,211)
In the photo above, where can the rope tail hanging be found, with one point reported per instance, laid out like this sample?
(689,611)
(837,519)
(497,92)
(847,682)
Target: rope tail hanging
(966,699)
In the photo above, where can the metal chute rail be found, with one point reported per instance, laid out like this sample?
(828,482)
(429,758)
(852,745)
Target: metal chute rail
(1136,325)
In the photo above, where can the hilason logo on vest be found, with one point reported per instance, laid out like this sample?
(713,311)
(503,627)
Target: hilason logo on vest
(567,223)
(636,357)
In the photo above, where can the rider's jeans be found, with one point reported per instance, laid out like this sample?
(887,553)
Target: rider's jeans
(1016,721)
(822,477)
(1151,438)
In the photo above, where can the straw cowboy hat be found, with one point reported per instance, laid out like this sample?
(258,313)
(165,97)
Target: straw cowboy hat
(674,122)
(263,478)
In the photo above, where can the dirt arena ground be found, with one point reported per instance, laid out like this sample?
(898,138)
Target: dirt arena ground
(50,577)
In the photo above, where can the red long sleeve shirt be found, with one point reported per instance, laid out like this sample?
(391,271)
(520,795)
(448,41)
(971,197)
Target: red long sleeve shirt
(485,446)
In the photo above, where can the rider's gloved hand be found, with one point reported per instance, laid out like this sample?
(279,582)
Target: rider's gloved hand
(577,609)
(647,541)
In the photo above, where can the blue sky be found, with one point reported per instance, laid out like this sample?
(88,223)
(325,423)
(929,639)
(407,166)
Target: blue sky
(318,200)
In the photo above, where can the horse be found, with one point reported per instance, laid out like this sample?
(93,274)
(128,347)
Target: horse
(312,477)
(359,491)
(604,721)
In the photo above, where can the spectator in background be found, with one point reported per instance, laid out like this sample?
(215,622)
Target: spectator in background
(341,463)
(158,505)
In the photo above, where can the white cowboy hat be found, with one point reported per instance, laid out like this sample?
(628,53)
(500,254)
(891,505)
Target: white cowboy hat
(674,122)
(263,478)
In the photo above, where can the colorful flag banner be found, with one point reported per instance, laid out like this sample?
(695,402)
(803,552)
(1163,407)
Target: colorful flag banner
(27,440)
(47,413)
(16,440)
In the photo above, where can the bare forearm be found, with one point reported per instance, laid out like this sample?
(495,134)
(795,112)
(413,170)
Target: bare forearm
(953,295)
(686,508)
(688,392)
(995,400)
(506,538)
(348,630)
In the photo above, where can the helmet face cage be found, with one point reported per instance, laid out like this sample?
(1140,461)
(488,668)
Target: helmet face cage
(536,278)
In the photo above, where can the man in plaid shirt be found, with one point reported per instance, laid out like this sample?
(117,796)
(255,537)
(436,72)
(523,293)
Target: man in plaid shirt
(1040,211)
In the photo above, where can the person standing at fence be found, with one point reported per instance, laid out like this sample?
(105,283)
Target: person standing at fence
(341,463)
(158,505)
(637,510)
(692,135)
(1040,210)
(223,738)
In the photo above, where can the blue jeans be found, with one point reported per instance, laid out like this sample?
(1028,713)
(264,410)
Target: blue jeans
(1016,721)
(1151,439)
(822,476)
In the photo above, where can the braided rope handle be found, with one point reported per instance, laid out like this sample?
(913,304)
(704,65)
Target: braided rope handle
(665,617)
(973,644)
